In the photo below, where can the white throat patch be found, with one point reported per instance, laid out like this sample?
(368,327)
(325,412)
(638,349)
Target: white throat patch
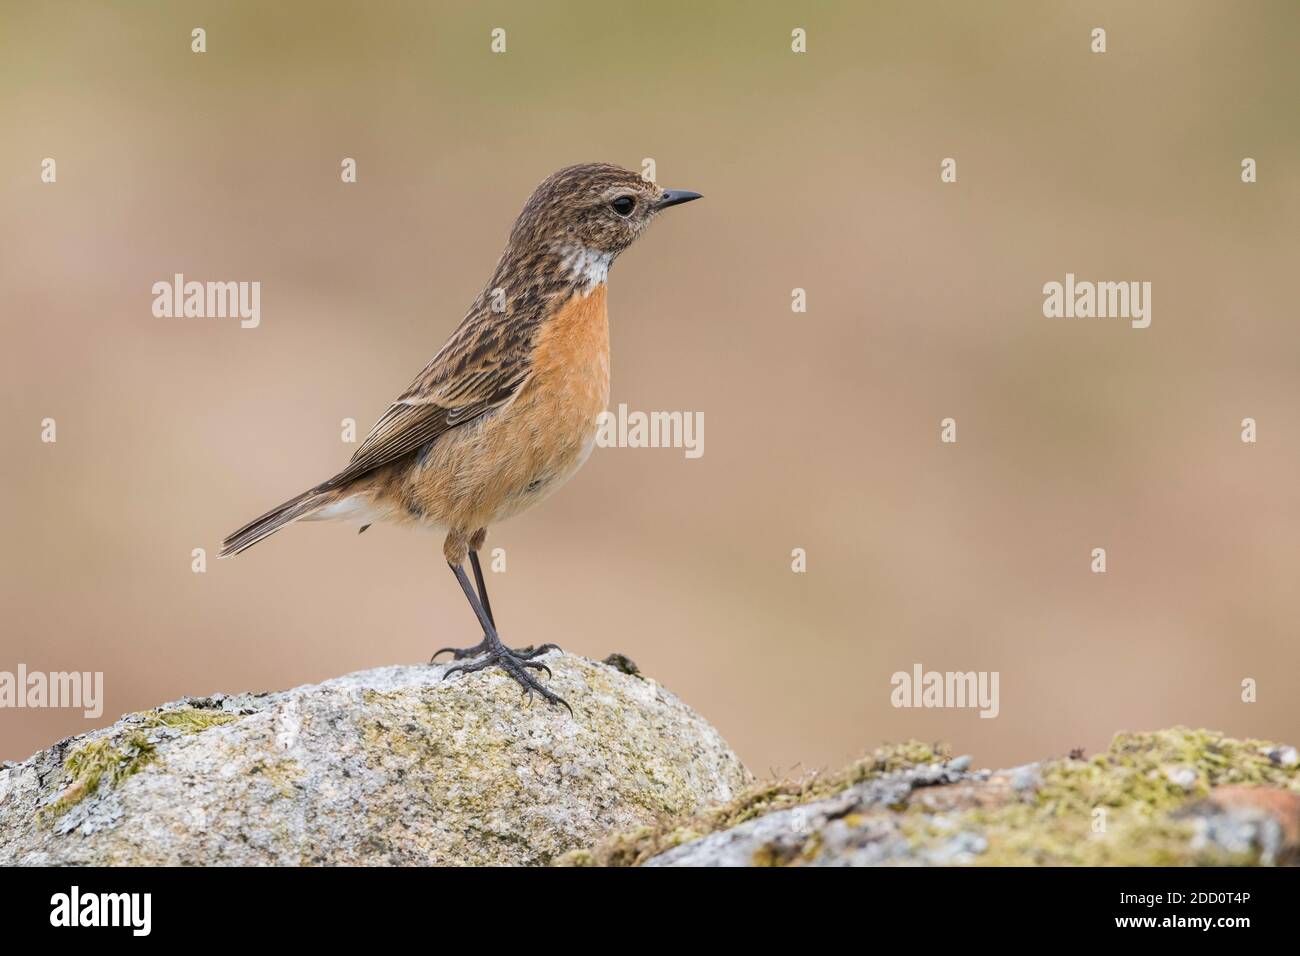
(587,266)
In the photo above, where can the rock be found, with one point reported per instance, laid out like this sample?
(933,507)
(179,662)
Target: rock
(1244,819)
(1173,797)
(1286,756)
(851,829)
(1025,778)
(388,766)
(1182,777)
(621,662)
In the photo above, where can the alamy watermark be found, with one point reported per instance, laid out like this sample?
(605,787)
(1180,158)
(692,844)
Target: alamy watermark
(75,908)
(625,429)
(83,690)
(208,300)
(1075,299)
(944,689)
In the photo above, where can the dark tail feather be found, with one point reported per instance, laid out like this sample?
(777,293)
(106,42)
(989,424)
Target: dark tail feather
(277,518)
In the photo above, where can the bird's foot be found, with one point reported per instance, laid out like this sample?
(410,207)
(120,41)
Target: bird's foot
(483,647)
(517,667)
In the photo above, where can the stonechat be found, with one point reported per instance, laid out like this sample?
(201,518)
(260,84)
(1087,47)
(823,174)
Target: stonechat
(507,410)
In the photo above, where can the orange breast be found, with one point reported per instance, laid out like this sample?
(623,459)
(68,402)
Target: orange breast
(571,359)
(513,458)
(568,387)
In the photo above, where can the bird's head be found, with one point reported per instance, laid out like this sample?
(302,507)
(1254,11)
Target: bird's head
(589,214)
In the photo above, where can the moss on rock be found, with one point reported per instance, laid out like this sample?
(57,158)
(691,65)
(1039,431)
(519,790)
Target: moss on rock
(1121,808)
(97,762)
(636,847)
(1142,802)
(188,720)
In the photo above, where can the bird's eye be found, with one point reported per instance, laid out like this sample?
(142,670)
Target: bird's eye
(624,205)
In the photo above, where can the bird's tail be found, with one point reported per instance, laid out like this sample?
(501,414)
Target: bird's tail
(268,524)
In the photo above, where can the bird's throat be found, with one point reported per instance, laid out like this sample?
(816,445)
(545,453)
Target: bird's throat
(586,268)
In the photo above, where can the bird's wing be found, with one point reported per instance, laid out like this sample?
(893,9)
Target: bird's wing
(479,369)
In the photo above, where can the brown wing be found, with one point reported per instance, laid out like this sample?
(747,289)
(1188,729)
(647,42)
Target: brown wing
(479,369)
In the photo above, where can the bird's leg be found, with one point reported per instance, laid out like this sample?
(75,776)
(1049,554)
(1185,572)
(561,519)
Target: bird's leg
(482,647)
(482,588)
(498,655)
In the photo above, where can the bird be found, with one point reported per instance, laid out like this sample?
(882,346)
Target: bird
(508,408)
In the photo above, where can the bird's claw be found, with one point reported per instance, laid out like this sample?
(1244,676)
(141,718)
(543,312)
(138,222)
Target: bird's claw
(517,667)
(482,647)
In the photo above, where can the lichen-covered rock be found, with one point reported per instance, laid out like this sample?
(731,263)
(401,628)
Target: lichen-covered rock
(1170,798)
(388,766)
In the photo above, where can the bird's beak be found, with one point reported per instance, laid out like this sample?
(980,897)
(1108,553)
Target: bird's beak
(675,197)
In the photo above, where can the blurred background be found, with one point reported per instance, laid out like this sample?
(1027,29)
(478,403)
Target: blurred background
(821,171)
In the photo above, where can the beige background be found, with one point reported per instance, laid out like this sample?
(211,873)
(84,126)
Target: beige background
(820,171)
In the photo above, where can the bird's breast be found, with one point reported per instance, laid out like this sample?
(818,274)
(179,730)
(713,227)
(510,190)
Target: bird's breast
(569,383)
(515,456)
(553,419)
